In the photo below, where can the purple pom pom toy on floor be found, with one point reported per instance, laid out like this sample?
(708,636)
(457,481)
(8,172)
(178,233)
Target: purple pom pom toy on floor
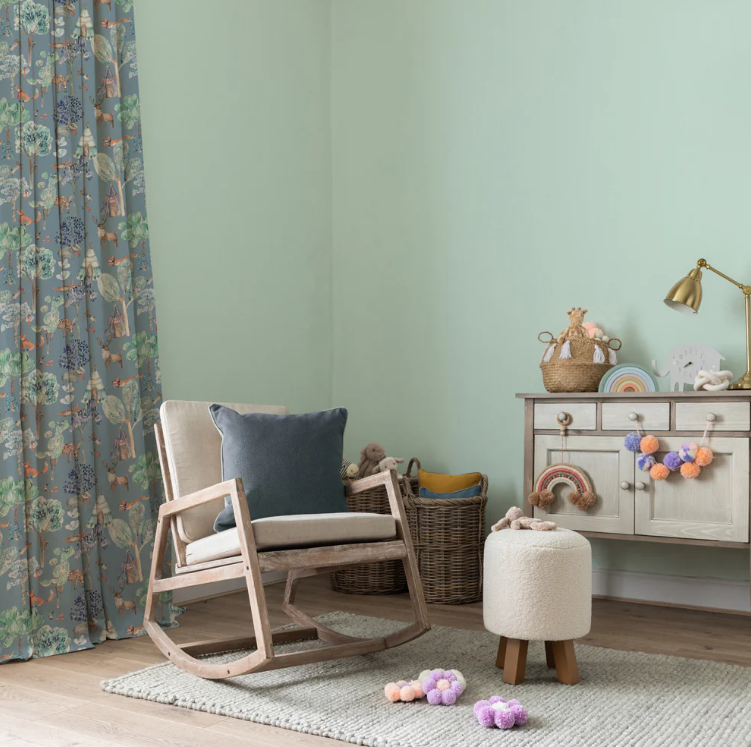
(496,711)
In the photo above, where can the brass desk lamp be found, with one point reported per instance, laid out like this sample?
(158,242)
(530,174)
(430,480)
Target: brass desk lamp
(685,296)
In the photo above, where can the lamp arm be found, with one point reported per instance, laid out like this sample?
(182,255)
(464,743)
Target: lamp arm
(705,265)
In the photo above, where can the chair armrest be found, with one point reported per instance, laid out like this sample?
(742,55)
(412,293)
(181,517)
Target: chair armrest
(220,490)
(366,483)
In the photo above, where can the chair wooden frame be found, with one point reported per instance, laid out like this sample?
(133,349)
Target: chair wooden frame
(250,564)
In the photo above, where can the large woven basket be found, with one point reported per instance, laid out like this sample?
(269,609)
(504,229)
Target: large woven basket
(386,577)
(449,539)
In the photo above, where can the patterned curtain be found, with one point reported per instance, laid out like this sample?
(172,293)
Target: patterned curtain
(79,368)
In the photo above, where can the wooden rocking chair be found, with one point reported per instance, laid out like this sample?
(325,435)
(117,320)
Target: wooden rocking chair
(190,456)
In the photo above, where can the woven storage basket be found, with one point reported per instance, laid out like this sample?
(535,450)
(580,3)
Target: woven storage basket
(578,372)
(386,577)
(449,539)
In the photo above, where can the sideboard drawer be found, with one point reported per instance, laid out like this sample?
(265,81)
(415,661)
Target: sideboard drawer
(583,415)
(623,416)
(724,416)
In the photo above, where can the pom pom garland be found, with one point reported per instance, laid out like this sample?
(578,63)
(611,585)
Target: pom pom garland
(672,461)
(645,462)
(687,452)
(659,472)
(690,470)
(690,458)
(633,442)
(495,711)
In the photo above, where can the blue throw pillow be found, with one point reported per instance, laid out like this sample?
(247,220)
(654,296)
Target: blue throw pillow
(289,464)
(466,493)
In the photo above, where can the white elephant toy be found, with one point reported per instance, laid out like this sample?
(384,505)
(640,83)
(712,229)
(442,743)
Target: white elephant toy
(684,363)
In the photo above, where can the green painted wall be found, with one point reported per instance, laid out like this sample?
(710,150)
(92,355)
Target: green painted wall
(496,162)
(236,121)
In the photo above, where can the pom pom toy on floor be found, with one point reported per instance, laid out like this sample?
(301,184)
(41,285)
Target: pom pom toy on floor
(495,711)
(404,691)
(443,686)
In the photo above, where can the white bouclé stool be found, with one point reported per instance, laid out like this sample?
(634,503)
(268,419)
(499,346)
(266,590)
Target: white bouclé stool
(537,587)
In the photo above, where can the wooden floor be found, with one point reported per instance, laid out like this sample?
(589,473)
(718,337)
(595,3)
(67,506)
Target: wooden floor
(57,701)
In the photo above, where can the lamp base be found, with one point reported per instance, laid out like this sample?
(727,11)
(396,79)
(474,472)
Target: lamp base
(743,383)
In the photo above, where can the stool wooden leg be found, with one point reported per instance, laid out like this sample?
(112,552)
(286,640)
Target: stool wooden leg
(549,655)
(501,656)
(515,662)
(565,662)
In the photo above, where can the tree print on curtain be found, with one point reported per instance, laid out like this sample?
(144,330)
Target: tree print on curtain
(79,367)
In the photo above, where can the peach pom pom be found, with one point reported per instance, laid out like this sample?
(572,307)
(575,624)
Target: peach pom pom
(704,456)
(649,445)
(659,472)
(690,470)
(393,692)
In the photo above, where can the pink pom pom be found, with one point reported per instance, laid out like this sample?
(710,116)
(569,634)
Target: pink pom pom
(407,694)
(520,714)
(504,718)
(485,716)
(392,692)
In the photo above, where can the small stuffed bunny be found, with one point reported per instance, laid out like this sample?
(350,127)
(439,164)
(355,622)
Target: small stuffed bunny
(370,457)
(388,463)
(515,519)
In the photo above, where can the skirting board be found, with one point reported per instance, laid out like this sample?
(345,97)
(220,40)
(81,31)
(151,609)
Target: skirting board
(681,591)
(191,594)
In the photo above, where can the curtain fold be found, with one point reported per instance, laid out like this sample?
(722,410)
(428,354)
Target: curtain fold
(79,353)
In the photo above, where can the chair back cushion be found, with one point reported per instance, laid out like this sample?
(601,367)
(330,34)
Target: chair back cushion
(289,464)
(194,455)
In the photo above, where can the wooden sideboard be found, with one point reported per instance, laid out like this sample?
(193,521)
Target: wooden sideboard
(711,510)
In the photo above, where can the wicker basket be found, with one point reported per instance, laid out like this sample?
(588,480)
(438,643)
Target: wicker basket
(386,577)
(449,539)
(578,372)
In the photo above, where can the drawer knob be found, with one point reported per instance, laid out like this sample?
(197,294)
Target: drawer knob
(625,485)
(711,417)
(564,418)
(633,416)
(640,486)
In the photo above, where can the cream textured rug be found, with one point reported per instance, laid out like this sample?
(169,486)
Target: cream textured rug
(624,699)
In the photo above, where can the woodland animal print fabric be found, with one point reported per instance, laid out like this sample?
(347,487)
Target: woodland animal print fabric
(79,354)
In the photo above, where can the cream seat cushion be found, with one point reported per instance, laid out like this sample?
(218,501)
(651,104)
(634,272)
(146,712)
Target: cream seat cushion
(194,454)
(537,585)
(302,530)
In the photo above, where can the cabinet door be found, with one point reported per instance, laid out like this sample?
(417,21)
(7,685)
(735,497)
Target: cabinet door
(712,506)
(610,467)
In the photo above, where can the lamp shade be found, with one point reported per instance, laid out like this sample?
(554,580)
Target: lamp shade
(685,295)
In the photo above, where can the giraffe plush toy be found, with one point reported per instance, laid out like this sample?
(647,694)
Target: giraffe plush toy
(576,325)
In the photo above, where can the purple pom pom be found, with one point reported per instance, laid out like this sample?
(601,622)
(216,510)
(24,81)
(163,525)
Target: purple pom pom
(434,697)
(645,462)
(479,706)
(496,699)
(456,687)
(448,697)
(672,461)
(504,718)
(520,714)
(450,676)
(436,674)
(485,715)
(632,442)
(428,684)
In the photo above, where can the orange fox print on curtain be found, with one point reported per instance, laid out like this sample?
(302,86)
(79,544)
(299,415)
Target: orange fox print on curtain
(79,354)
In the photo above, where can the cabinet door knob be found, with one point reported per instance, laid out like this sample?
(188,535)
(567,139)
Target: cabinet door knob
(564,418)
(633,416)
(711,417)
(640,486)
(625,485)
